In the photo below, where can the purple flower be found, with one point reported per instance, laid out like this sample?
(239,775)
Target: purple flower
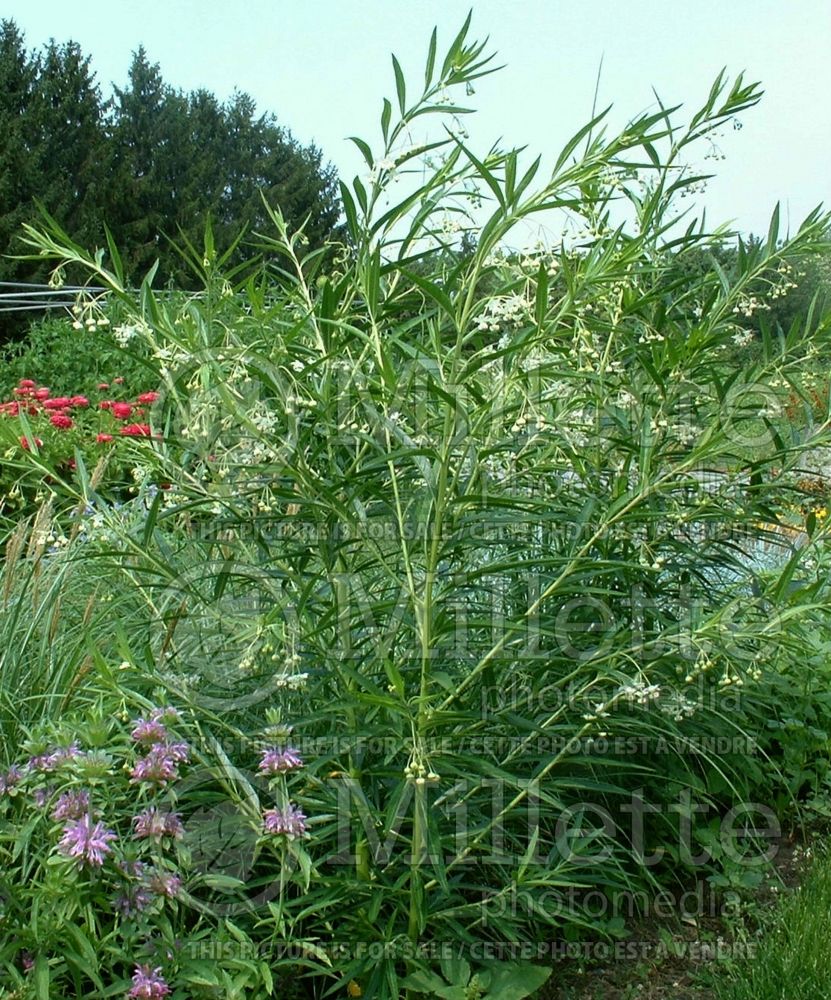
(148,984)
(42,762)
(148,731)
(11,778)
(168,712)
(54,758)
(280,761)
(160,764)
(157,824)
(289,822)
(178,752)
(71,805)
(63,754)
(164,884)
(135,900)
(27,961)
(155,768)
(86,843)
(40,796)
(132,869)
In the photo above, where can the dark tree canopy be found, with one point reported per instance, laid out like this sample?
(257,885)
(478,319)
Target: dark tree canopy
(151,162)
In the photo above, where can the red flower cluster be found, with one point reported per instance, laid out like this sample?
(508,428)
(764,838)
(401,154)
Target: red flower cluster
(37,401)
(136,430)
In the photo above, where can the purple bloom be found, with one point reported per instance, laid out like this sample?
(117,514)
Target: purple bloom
(148,984)
(11,778)
(280,761)
(155,768)
(135,900)
(63,754)
(71,805)
(42,762)
(27,961)
(289,822)
(160,764)
(148,731)
(168,712)
(164,884)
(157,824)
(132,869)
(54,758)
(41,796)
(178,752)
(86,843)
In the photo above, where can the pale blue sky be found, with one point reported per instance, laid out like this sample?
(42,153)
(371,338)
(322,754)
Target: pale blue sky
(323,66)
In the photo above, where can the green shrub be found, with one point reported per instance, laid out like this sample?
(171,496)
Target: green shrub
(73,361)
(488,533)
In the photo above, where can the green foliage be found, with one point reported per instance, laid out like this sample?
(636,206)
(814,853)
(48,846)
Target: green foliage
(71,361)
(792,957)
(505,981)
(503,543)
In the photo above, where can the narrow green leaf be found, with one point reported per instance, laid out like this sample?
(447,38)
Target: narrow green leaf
(350,211)
(386,117)
(366,152)
(773,230)
(486,175)
(42,977)
(455,47)
(541,297)
(431,60)
(115,256)
(360,194)
(400,86)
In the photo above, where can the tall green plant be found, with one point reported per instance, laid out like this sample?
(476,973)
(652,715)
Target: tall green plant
(464,522)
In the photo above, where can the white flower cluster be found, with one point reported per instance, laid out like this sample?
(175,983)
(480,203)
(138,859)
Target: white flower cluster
(529,262)
(291,682)
(679,707)
(125,332)
(771,410)
(651,337)
(263,419)
(743,338)
(598,712)
(383,169)
(685,433)
(500,467)
(640,693)
(504,311)
(748,305)
(694,188)
(450,225)
(88,314)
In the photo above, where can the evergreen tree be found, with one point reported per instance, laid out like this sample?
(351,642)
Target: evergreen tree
(137,200)
(17,171)
(152,163)
(69,150)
